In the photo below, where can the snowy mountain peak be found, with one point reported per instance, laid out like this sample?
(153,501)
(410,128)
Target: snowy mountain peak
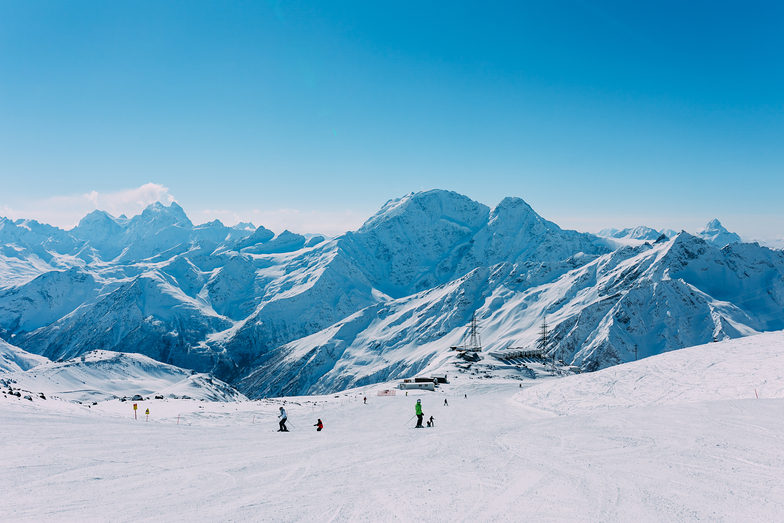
(98,226)
(514,208)
(260,235)
(163,216)
(392,295)
(427,207)
(715,233)
(97,216)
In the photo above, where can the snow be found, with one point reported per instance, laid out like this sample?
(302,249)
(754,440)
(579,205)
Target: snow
(676,443)
(716,234)
(729,370)
(102,375)
(713,232)
(14,359)
(290,314)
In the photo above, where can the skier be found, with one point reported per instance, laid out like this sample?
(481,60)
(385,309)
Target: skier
(319,425)
(365,400)
(419,415)
(432,422)
(282,417)
(445,403)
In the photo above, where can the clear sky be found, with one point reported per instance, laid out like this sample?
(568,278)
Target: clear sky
(311,115)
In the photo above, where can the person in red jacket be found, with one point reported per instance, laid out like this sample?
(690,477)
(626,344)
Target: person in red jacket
(319,425)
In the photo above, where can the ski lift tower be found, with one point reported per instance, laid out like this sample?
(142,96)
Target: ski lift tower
(473,342)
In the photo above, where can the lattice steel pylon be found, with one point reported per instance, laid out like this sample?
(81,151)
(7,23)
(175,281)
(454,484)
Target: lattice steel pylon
(473,341)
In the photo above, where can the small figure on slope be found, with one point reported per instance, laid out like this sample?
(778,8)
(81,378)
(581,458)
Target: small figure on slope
(365,399)
(432,422)
(419,415)
(446,404)
(282,417)
(319,425)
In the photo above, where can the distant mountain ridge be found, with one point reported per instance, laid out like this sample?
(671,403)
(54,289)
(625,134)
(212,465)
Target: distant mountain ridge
(714,232)
(298,314)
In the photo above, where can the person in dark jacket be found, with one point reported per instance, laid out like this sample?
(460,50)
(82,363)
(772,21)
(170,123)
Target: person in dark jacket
(319,425)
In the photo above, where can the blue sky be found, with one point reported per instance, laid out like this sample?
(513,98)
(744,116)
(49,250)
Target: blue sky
(311,115)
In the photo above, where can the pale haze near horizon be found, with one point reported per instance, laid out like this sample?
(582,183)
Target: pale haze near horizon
(309,118)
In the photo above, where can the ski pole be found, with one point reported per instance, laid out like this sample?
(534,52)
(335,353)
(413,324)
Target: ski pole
(412,417)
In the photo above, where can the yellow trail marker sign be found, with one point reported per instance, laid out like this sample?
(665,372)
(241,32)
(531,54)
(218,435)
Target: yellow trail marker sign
(134,406)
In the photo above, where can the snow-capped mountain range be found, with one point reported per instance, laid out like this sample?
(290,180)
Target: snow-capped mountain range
(714,233)
(290,314)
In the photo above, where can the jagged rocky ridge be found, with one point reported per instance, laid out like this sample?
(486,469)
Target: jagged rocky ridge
(282,314)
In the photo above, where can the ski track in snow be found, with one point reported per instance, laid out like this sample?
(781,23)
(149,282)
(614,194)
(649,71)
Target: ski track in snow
(675,437)
(489,458)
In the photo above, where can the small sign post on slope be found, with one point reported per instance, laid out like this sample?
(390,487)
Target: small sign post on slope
(134,411)
(147,413)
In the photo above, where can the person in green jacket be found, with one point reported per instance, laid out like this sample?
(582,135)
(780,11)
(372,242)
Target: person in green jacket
(419,414)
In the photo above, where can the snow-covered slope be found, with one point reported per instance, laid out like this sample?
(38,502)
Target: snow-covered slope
(103,375)
(744,368)
(14,359)
(657,441)
(287,313)
(656,298)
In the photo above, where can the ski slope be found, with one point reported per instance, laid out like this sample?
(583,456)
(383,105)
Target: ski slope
(745,368)
(496,453)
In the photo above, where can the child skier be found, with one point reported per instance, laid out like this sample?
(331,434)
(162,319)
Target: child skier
(319,425)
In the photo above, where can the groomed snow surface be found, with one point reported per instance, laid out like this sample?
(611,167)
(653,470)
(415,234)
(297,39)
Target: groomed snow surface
(677,437)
